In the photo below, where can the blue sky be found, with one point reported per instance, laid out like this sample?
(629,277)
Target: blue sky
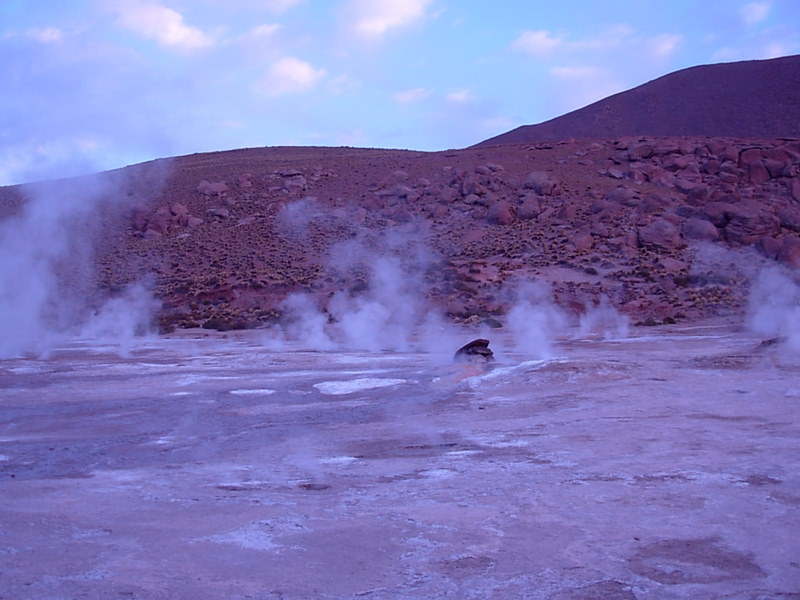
(90,85)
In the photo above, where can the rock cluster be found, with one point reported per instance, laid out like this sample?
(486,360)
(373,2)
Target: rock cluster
(163,220)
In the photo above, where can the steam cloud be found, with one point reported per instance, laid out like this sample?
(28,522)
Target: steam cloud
(534,319)
(604,320)
(46,271)
(388,311)
(774,306)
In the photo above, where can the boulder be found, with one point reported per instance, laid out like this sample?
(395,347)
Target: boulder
(660,234)
(684,185)
(529,209)
(794,187)
(500,213)
(698,194)
(211,189)
(719,213)
(476,350)
(790,251)
(640,151)
(775,167)
(178,209)
(540,182)
(159,222)
(293,180)
(757,173)
(675,163)
(748,156)
(471,185)
(700,229)
(583,241)
(658,176)
(790,218)
(770,246)
(221,213)
(139,220)
(448,195)
(622,195)
(711,166)
(567,213)
(748,222)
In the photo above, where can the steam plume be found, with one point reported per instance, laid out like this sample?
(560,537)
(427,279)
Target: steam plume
(774,306)
(46,270)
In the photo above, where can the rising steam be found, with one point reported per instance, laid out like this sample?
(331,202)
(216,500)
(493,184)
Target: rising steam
(534,319)
(382,305)
(46,270)
(774,306)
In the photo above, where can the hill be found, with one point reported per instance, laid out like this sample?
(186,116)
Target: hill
(660,229)
(757,98)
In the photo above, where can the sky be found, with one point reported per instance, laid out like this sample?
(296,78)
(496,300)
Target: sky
(91,85)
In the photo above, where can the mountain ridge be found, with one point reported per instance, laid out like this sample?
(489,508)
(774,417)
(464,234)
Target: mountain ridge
(756,98)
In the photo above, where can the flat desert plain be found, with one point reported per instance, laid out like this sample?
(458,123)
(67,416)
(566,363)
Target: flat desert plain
(658,465)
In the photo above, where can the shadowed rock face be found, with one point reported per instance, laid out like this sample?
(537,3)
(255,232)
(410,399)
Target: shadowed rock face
(757,98)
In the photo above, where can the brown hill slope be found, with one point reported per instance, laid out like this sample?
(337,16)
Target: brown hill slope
(757,98)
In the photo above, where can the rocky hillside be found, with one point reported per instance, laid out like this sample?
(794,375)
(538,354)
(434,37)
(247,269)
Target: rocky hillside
(757,98)
(663,228)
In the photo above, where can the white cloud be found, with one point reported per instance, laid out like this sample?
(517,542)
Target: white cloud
(164,25)
(374,18)
(543,44)
(577,73)
(412,95)
(610,37)
(289,75)
(539,43)
(279,6)
(265,30)
(46,35)
(754,12)
(665,44)
(459,96)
